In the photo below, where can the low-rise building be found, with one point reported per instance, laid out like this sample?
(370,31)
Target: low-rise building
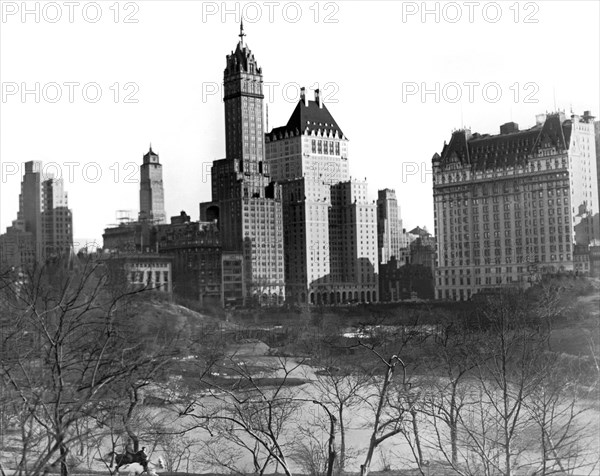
(148,271)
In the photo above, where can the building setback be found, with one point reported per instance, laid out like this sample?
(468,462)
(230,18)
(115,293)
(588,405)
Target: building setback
(353,243)
(43,229)
(245,202)
(512,206)
(389,227)
(329,225)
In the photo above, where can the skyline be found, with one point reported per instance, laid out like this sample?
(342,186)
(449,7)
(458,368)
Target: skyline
(188,132)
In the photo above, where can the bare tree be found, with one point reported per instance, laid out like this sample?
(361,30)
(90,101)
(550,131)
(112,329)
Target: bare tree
(309,451)
(253,409)
(67,347)
(563,435)
(222,450)
(178,451)
(506,375)
(340,387)
(390,402)
(449,388)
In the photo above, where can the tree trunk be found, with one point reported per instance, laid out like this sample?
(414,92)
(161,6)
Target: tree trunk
(331,445)
(342,458)
(64,468)
(415,426)
(133,402)
(374,441)
(364,468)
(453,442)
(453,423)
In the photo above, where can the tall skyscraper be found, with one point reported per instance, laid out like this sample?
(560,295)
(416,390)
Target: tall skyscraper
(389,226)
(329,225)
(44,225)
(152,195)
(245,202)
(57,221)
(353,242)
(512,206)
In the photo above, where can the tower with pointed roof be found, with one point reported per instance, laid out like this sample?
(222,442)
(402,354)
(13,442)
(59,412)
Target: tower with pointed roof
(246,203)
(152,195)
(243,99)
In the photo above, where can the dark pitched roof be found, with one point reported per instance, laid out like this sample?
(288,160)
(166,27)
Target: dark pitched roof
(505,150)
(419,231)
(308,118)
(150,153)
(240,59)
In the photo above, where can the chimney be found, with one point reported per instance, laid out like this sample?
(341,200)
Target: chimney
(540,119)
(318,98)
(587,117)
(303,95)
(509,128)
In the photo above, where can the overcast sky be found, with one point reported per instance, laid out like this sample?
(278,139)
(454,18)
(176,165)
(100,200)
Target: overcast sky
(372,60)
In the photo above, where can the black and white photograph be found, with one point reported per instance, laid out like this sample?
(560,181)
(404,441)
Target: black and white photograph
(300,238)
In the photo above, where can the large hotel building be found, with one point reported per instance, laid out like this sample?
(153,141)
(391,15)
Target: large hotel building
(513,206)
(330,226)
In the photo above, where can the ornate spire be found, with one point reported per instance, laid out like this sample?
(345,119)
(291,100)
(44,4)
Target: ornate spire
(242,34)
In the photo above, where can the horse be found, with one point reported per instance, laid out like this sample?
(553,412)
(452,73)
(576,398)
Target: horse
(127,458)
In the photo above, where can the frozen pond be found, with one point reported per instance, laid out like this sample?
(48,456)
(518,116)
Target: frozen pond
(394,453)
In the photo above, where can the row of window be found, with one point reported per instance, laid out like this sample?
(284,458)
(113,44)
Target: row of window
(146,277)
(325,147)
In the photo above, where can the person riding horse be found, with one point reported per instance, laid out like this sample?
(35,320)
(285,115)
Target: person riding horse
(143,458)
(131,457)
